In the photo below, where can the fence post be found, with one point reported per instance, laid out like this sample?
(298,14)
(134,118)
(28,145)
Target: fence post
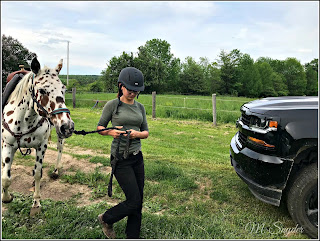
(74,97)
(214,110)
(153,104)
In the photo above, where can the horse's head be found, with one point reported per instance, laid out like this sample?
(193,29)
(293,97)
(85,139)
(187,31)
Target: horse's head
(49,97)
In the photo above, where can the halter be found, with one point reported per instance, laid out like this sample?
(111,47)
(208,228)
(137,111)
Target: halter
(47,114)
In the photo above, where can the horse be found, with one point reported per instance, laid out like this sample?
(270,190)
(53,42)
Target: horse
(15,77)
(35,106)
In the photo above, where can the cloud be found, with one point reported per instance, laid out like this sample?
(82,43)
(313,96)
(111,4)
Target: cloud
(99,30)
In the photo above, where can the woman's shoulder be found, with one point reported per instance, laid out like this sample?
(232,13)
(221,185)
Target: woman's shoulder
(112,103)
(141,106)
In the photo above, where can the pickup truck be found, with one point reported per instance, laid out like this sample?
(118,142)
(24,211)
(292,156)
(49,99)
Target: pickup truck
(275,152)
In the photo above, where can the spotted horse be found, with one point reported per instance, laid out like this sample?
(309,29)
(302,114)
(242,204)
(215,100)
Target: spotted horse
(35,106)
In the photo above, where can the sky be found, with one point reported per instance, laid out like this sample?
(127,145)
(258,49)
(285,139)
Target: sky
(100,30)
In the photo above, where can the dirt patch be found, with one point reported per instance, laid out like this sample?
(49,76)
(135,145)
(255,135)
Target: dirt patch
(22,178)
(70,163)
(78,150)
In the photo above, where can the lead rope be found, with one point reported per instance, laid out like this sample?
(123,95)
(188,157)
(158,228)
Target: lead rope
(83,132)
(28,151)
(117,158)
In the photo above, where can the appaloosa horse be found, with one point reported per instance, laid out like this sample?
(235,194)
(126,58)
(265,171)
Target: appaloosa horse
(36,105)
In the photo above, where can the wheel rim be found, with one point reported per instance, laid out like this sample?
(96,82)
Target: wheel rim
(311,206)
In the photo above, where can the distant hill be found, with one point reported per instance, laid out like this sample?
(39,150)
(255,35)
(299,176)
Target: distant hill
(82,79)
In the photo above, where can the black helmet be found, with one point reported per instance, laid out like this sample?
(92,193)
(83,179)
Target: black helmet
(131,78)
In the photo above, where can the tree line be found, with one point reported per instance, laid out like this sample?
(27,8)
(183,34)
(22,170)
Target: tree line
(233,73)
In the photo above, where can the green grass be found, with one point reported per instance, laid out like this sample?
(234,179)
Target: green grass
(191,190)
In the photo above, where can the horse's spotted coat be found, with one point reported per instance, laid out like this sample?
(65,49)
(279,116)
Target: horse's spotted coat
(22,114)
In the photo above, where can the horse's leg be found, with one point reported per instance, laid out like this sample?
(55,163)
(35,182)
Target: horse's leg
(55,174)
(37,173)
(7,158)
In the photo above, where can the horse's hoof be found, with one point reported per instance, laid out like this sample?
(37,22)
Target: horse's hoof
(8,201)
(54,175)
(35,210)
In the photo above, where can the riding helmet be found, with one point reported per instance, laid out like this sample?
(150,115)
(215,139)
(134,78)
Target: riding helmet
(131,78)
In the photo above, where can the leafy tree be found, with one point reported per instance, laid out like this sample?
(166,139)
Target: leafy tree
(13,54)
(277,75)
(311,70)
(266,75)
(295,76)
(279,84)
(158,65)
(192,77)
(73,83)
(277,65)
(211,76)
(204,64)
(110,75)
(229,71)
(174,76)
(313,64)
(96,86)
(214,79)
(249,81)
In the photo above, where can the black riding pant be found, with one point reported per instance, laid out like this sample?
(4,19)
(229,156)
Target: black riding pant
(130,176)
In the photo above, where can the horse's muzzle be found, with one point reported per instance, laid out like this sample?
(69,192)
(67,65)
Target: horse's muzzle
(66,130)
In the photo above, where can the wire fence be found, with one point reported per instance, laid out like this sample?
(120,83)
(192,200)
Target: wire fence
(223,109)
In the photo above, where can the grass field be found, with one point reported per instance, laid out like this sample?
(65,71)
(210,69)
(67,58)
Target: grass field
(191,191)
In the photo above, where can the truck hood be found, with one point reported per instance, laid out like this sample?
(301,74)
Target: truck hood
(261,106)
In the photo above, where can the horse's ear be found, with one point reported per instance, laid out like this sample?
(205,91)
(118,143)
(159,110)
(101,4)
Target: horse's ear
(35,65)
(59,66)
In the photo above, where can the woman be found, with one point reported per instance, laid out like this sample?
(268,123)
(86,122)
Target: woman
(130,116)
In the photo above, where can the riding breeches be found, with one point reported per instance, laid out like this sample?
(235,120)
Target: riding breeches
(130,176)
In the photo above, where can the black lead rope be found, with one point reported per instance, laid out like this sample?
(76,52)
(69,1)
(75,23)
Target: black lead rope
(83,132)
(117,157)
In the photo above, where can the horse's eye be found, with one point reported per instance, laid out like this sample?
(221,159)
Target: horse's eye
(42,91)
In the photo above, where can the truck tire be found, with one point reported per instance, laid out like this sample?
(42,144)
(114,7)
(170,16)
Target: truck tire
(302,200)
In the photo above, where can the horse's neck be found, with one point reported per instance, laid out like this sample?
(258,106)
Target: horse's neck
(21,116)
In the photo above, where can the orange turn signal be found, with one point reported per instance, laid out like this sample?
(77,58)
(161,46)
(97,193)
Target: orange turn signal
(273,124)
(260,142)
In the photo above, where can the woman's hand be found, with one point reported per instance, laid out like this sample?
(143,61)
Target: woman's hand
(115,133)
(138,134)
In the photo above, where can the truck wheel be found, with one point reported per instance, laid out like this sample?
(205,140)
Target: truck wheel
(302,201)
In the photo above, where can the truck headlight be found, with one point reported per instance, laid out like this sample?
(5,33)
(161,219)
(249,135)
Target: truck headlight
(258,122)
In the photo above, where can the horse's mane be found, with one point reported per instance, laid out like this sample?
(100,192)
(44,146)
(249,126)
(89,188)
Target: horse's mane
(21,88)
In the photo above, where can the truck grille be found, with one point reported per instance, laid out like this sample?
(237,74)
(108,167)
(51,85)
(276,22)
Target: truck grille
(242,138)
(245,119)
